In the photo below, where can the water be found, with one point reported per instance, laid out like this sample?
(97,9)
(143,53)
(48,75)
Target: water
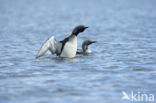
(123,59)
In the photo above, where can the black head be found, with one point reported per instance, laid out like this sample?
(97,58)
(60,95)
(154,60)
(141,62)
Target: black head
(88,42)
(78,29)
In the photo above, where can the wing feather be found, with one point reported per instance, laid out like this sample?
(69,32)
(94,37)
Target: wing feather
(51,44)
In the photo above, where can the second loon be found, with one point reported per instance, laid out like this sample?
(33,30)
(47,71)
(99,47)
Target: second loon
(85,49)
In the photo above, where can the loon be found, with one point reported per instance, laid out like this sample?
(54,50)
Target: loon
(66,48)
(85,49)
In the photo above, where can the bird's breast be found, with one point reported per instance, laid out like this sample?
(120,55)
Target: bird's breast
(70,48)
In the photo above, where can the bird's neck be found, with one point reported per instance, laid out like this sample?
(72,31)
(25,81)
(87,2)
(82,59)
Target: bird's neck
(75,34)
(73,38)
(84,48)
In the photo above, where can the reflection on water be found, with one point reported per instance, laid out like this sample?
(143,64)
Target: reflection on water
(123,59)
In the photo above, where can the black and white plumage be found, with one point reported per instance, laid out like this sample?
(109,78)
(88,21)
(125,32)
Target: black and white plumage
(85,49)
(65,48)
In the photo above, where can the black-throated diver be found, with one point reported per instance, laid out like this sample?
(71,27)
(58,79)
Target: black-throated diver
(65,48)
(85,49)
